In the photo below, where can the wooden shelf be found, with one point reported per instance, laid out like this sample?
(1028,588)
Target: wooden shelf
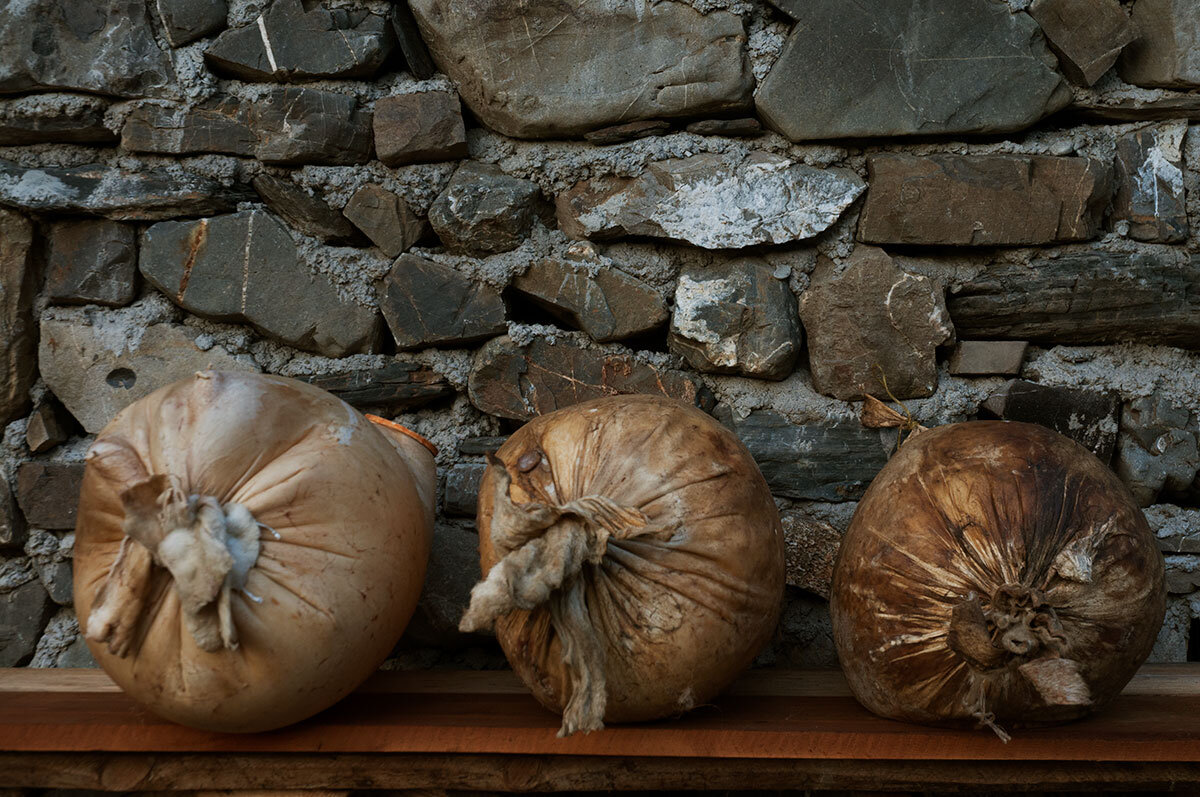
(481,731)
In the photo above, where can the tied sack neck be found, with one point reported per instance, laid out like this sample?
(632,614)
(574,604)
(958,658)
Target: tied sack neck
(208,547)
(543,548)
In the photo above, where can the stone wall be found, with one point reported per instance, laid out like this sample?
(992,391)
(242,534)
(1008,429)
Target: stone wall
(463,213)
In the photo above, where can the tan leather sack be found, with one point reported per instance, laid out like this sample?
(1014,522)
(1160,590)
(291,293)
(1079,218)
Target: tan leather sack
(248,549)
(634,559)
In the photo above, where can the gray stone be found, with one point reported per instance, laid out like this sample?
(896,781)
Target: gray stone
(428,304)
(1088,417)
(295,125)
(293,40)
(452,571)
(1087,35)
(1172,642)
(217,125)
(419,128)
(97,366)
(737,318)
(244,268)
(870,322)
(988,357)
(101,48)
(804,638)
(1149,174)
(1156,449)
(547,68)
(91,262)
(1086,298)
(1176,529)
(461,494)
(1182,573)
(12,523)
(998,200)
(77,655)
(395,387)
(24,611)
(1166,50)
(522,382)
(813,462)
(746,127)
(54,118)
(927,67)
(628,131)
(384,218)
(703,200)
(185,21)
(483,211)
(408,37)
(51,558)
(1103,108)
(604,302)
(18,338)
(478,446)
(305,212)
(146,194)
(810,549)
(48,493)
(48,426)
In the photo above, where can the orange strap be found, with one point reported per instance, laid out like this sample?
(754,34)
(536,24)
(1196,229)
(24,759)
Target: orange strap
(403,430)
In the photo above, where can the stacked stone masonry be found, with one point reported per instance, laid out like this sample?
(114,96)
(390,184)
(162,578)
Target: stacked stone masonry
(464,213)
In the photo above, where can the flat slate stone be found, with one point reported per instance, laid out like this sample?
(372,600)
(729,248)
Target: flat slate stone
(460,498)
(746,127)
(1094,297)
(873,317)
(306,213)
(91,262)
(890,68)
(48,493)
(297,125)
(738,318)
(998,200)
(813,462)
(1149,173)
(217,125)
(244,268)
(95,380)
(18,290)
(54,119)
(522,382)
(146,194)
(423,127)
(628,131)
(385,218)
(549,68)
(293,40)
(1166,49)
(988,357)
(1104,109)
(185,21)
(702,200)
(101,48)
(483,211)
(1087,35)
(397,386)
(1088,417)
(604,302)
(428,304)
(478,446)
(24,612)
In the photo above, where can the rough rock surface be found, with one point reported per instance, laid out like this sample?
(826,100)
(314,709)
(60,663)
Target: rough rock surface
(746,127)
(48,493)
(453,570)
(1156,449)
(522,382)
(393,387)
(18,337)
(91,262)
(628,131)
(244,268)
(483,211)
(309,214)
(50,555)
(987,357)
(1088,417)
(419,128)
(385,218)
(101,48)
(185,21)
(48,426)
(461,494)
(294,40)
(1087,35)
(810,549)
(1166,50)
(738,318)
(998,200)
(812,462)
(766,198)
(12,525)
(97,365)
(428,304)
(54,118)
(883,68)
(873,321)
(547,68)
(24,611)
(219,124)
(408,37)
(606,303)
(1150,193)
(121,194)
(1085,298)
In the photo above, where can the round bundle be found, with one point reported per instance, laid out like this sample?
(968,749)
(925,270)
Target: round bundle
(249,549)
(634,559)
(994,573)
